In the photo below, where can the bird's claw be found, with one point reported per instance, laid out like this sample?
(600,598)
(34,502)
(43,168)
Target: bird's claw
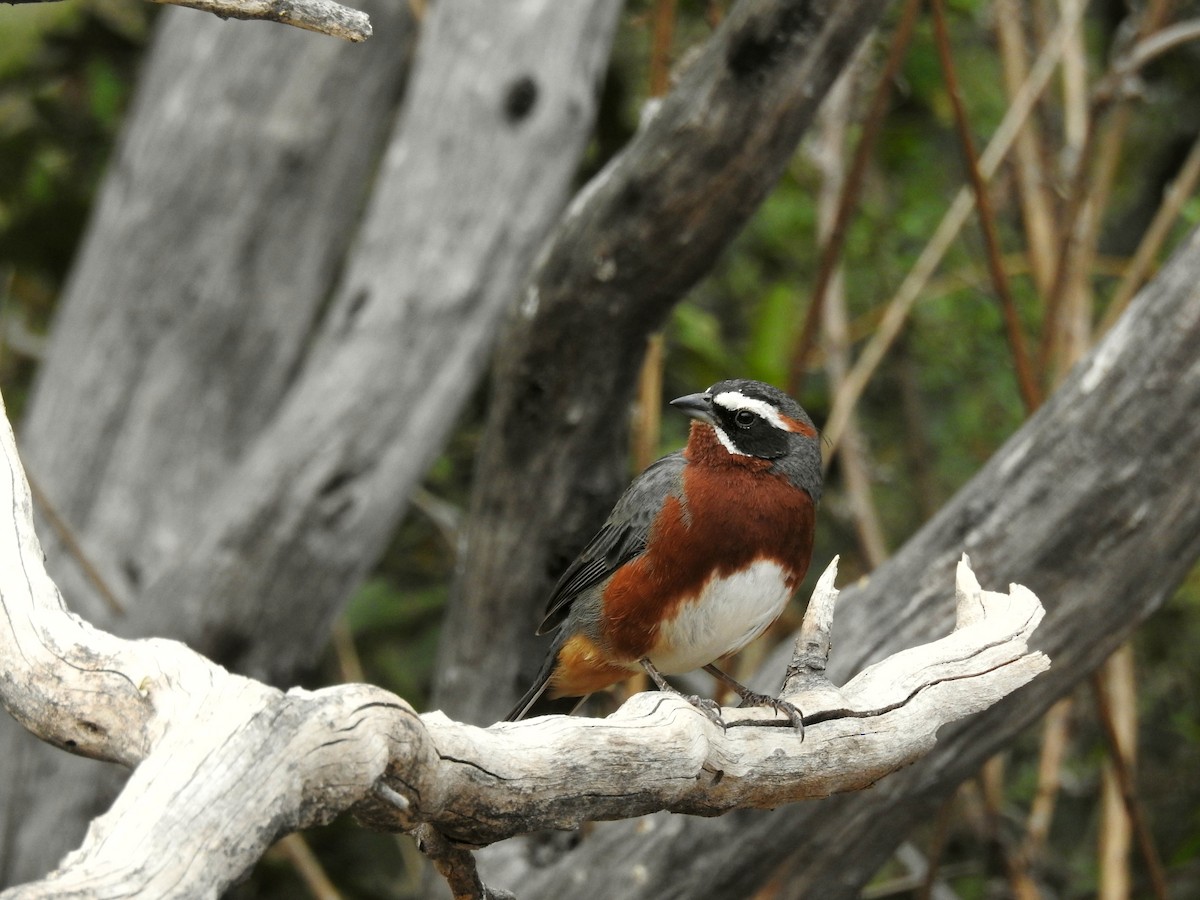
(791,711)
(709,707)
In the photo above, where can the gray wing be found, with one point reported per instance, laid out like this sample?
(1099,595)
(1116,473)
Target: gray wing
(622,538)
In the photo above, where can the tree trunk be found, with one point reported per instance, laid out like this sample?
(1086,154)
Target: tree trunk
(232,462)
(499,111)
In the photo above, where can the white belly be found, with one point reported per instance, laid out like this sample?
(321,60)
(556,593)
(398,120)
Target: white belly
(730,613)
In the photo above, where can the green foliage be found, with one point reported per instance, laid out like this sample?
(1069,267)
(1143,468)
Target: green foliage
(393,629)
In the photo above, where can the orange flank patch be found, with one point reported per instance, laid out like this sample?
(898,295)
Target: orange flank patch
(581,669)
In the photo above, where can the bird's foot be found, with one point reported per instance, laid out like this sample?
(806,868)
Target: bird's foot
(709,707)
(752,698)
(795,718)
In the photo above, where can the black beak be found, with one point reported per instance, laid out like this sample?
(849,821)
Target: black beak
(698,406)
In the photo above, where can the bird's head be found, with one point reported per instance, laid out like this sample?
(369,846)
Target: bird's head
(753,419)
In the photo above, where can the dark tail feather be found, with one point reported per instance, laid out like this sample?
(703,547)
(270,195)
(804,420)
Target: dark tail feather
(535,702)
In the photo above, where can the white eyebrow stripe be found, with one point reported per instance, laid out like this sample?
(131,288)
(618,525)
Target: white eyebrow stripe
(737,400)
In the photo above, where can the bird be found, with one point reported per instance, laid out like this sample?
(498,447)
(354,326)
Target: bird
(698,557)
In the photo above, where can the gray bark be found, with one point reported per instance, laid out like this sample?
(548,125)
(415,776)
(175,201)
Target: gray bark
(1093,504)
(237,455)
(632,243)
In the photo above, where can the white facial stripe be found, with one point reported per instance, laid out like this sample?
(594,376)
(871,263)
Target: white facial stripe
(734,400)
(727,443)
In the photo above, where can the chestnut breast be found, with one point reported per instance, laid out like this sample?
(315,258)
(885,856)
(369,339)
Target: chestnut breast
(719,567)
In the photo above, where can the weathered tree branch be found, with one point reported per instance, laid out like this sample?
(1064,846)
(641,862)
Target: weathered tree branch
(225,764)
(322,16)
(656,752)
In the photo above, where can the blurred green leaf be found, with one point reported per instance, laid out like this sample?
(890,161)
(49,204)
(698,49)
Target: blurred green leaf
(777,318)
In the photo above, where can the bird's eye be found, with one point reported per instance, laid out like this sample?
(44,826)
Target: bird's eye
(744,418)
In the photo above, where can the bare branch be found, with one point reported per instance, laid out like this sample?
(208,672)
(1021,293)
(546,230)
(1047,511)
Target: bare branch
(322,16)
(1121,78)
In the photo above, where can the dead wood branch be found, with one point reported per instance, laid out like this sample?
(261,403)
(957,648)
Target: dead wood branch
(321,16)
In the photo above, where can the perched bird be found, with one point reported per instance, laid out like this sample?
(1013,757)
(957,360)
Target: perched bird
(698,557)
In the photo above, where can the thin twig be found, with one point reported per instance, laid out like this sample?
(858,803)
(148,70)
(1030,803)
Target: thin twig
(1074,230)
(1155,236)
(662,34)
(1033,192)
(1115,837)
(1123,771)
(1114,84)
(827,155)
(714,13)
(916,440)
(444,515)
(991,780)
(456,865)
(1026,382)
(1091,187)
(906,885)
(308,867)
(831,251)
(322,16)
(937,846)
(1075,109)
(648,422)
(71,544)
(349,663)
(1056,732)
